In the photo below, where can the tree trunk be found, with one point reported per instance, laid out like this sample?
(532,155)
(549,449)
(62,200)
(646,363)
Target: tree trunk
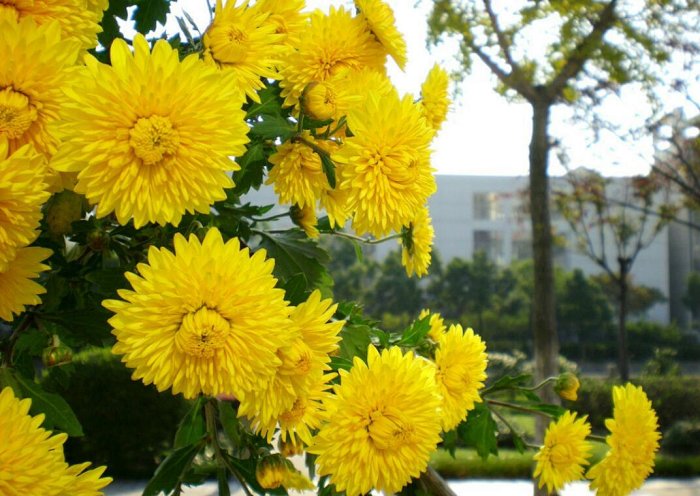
(546,341)
(622,358)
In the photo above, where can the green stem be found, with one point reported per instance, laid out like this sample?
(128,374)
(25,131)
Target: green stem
(210,419)
(313,146)
(368,241)
(595,437)
(518,408)
(272,217)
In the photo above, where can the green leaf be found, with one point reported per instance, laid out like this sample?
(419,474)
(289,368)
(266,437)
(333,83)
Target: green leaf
(107,281)
(229,421)
(295,289)
(273,126)
(449,441)
(294,253)
(553,410)
(338,363)
(508,382)
(480,431)
(148,13)
(7,379)
(413,334)
(328,169)
(58,414)
(171,470)
(192,427)
(110,27)
(89,324)
(354,340)
(270,102)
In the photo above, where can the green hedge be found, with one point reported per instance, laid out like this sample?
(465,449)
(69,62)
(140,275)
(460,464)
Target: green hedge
(673,398)
(127,425)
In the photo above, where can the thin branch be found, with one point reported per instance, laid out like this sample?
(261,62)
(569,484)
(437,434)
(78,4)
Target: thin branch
(368,241)
(526,90)
(503,42)
(581,52)
(518,408)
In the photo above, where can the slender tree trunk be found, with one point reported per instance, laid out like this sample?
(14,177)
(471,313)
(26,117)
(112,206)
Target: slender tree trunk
(546,341)
(622,355)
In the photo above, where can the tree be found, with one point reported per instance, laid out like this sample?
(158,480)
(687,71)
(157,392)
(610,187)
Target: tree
(691,299)
(598,210)
(600,46)
(583,313)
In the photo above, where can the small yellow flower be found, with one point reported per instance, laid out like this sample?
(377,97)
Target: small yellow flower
(290,447)
(380,21)
(150,136)
(564,453)
(241,41)
(567,386)
(460,369)
(633,440)
(321,100)
(386,163)
(17,287)
(417,243)
(434,99)
(330,45)
(306,219)
(437,324)
(382,423)
(206,319)
(287,18)
(32,458)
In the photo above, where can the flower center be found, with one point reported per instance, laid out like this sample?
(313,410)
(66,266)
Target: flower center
(296,360)
(202,333)
(387,431)
(16,113)
(154,137)
(294,414)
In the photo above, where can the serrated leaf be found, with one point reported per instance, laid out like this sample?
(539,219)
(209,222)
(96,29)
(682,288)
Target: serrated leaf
(414,333)
(273,126)
(192,427)
(518,442)
(338,363)
(295,289)
(354,340)
(508,382)
(328,169)
(270,102)
(58,413)
(480,431)
(252,170)
(89,324)
(110,27)
(171,470)
(148,13)
(294,254)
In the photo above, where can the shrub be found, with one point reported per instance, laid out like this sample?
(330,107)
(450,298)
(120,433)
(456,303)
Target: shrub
(127,425)
(683,438)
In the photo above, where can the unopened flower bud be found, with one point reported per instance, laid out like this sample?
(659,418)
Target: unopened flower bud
(290,447)
(320,101)
(271,471)
(567,386)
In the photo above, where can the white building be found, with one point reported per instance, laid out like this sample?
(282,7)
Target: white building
(473,213)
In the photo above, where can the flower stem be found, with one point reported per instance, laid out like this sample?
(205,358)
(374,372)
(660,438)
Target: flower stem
(368,241)
(519,408)
(210,419)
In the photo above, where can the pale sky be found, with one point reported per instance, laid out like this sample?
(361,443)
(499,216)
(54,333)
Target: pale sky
(484,134)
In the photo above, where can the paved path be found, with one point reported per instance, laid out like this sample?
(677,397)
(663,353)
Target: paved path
(654,487)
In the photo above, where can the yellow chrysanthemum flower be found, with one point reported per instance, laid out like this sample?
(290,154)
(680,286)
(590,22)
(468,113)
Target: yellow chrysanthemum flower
(564,453)
(335,203)
(22,193)
(434,100)
(151,136)
(386,163)
(243,42)
(328,99)
(633,440)
(297,174)
(381,23)
(78,19)
(204,320)
(460,369)
(300,377)
(287,18)
(34,67)
(305,217)
(32,458)
(382,423)
(437,324)
(331,44)
(417,244)
(17,288)
(307,412)
(567,386)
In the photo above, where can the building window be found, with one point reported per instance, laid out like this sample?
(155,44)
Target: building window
(487,206)
(522,249)
(491,243)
